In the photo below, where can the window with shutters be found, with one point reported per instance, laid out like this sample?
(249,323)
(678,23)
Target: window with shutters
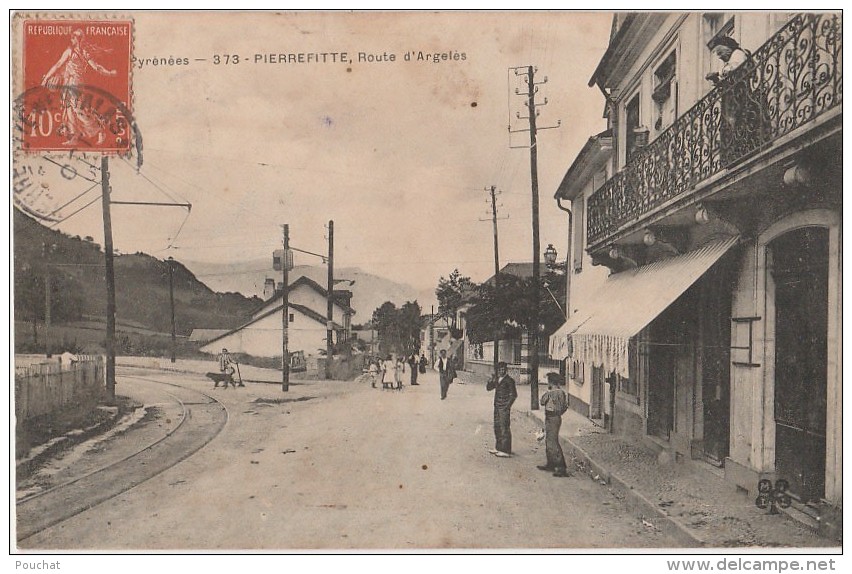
(665,93)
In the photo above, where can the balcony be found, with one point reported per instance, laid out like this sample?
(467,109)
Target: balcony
(794,78)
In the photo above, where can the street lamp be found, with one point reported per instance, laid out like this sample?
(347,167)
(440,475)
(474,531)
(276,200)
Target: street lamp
(553,266)
(550,255)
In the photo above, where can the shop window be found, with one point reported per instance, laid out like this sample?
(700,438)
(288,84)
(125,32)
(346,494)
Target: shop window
(577,372)
(665,93)
(630,386)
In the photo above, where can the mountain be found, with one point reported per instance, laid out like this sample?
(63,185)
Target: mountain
(369,291)
(78,288)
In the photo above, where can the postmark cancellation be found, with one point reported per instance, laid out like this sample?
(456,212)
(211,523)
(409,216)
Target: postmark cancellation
(74,97)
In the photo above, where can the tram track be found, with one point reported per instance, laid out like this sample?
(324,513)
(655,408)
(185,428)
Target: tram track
(203,417)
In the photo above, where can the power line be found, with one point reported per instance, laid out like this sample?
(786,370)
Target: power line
(78,174)
(156,185)
(72,214)
(90,188)
(240,206)
(230,273)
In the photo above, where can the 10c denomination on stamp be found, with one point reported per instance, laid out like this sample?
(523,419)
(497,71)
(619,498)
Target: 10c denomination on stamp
(76,85)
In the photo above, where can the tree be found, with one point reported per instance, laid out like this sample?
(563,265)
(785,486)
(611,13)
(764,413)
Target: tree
(29,295)
(398,329)
(452,293)
(409,326)
(384,322)
(504,311)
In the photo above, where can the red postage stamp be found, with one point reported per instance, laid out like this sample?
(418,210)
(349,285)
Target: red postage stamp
(77,91)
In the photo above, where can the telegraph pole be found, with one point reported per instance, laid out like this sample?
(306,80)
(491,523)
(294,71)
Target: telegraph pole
(171,262)
(47,305)
(110,282)
(110,268)
(432,337)
(329,353)
(533,343)
(285,314)
(533,332)
(496,271)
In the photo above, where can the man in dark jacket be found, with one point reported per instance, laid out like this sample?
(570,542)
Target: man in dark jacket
(505,394)
(412,364)
(446,371)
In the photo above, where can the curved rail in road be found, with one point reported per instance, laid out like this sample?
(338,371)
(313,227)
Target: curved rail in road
(203,418)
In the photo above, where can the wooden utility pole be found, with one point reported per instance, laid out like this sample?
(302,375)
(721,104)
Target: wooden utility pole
(285,311)
(47,305)
(432,337)
(329,344)
(496,271)
(110,282)
(533,331)
(171,263)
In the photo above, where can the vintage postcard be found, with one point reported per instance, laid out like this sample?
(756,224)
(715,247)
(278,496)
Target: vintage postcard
(427,282)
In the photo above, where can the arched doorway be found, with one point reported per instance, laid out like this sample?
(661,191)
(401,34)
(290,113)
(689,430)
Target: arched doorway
(799,269)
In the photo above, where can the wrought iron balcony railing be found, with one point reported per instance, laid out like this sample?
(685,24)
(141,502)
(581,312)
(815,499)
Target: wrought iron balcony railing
(796,76)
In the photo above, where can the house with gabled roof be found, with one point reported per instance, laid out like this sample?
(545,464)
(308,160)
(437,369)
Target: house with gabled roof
(308,323)
(261,336)
(308,293)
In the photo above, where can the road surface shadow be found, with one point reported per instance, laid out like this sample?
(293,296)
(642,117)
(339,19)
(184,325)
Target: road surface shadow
(264,401)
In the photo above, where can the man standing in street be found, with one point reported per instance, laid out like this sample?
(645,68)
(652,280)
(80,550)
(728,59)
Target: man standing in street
(555,403)
(412,364)
(446,372)
(505,394)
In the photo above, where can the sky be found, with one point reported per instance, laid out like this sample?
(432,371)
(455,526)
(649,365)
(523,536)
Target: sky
(398,153)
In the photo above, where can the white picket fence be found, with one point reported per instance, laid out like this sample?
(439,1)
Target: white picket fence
(43,388)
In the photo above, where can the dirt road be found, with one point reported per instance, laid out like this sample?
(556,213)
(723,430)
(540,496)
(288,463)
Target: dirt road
(339,465)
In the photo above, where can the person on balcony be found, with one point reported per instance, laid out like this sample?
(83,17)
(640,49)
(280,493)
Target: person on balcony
(743,104)
(730,53)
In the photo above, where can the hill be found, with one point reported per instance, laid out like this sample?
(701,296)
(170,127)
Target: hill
(369,291)
(78,288)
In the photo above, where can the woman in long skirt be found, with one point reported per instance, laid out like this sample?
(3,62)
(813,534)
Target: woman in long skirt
(399,370)
(388,373)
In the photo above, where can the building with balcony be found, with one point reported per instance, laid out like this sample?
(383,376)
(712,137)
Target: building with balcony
(704,298)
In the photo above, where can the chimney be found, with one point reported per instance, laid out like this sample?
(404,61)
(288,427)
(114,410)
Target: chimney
(268,288)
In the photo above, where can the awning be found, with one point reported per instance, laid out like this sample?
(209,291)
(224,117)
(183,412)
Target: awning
(627,303)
